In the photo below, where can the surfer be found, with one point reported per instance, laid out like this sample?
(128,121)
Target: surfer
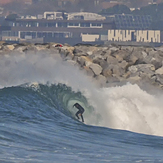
(80,111)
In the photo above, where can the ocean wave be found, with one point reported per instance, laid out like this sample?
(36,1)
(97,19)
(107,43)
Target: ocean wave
(59,85)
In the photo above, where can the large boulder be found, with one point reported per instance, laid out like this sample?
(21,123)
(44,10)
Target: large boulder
(113,79)
(103,63)
(111,60)
(152,57)
(134,79)
(83,59)
(20,48)
(84,50)
(132,59)
(101,80)
(159,79)
(141,67)
(142,70)
(121,54)
(117,70)
(97,69)
(107,71)
(127,48)
(10,47)
(69,56)
(159,71)
(114,49)
(88,71)
(124,65)
(107,53)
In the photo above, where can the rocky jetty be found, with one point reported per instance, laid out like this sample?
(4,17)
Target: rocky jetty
(108,65)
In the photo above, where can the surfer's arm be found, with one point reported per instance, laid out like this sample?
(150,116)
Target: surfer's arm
(74,105)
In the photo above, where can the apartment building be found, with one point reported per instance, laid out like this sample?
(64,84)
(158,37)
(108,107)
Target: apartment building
(82,27)
(134,35)
(52,29)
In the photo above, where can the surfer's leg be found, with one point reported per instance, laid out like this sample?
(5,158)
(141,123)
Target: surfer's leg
(82,118)
(77,114)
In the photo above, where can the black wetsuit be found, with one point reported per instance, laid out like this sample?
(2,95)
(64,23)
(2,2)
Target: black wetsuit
(81,111)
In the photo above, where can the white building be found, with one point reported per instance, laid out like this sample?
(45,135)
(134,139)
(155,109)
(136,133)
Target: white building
(53,15)
(134,35)
(73,16)
(90,37)
(85,16)
(145,36)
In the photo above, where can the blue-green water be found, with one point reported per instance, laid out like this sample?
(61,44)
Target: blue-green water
(35,126)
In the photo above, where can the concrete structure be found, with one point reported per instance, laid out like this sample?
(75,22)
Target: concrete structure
(89,37)
(53,15)
(134,35)
(48,23)
(73,16)
(144,36)
(54,27)
(51,30)
(85,16)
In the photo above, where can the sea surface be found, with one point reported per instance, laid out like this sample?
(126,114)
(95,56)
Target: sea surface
(123,124)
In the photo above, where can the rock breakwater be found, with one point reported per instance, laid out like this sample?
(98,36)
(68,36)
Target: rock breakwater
(108,65)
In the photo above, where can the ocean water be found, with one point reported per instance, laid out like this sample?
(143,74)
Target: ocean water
(37,122)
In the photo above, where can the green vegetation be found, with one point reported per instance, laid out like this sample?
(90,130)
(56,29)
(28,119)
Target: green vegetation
(12,17)
(117,9)
(154,10)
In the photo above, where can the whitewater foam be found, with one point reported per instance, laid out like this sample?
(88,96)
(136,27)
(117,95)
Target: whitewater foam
(126,107)
(131,108)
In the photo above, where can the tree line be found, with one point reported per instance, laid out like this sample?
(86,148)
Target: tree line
(154,10)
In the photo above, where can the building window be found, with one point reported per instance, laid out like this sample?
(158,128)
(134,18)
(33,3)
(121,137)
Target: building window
(96,24)
(60,24)
(73,24)
(17,25)
(84,24)
(49,34)
(39,35)
(4,33)
(33,24)
(158,38)
(33,35)
(59,35)
(43,24)
(51,24)
(22,35)
(70,24)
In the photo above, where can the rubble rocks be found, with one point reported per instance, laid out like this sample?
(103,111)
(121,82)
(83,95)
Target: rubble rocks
(106,64)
